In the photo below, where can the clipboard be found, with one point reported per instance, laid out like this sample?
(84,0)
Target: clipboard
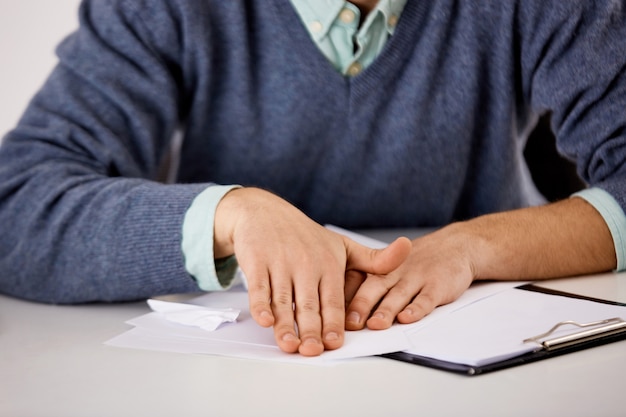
(591,334)
(562,334)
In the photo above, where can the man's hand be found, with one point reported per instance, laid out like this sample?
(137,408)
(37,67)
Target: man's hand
(438,270)
(295,267)
(562,239)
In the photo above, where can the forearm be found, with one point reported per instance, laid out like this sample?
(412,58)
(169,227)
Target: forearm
(561,239)
(83,219)
(101,240)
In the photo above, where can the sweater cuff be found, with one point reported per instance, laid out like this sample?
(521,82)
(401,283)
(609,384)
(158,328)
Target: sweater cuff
(197,241)
(614,217)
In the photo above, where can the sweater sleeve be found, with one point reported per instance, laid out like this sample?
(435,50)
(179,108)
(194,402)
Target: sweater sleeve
(83,216)
(573,59)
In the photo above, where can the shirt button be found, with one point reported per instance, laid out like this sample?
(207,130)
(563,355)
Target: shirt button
(347,16)
(316,26)
(355,69)
(393,20)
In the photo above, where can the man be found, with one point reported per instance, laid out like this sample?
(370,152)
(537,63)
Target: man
(362,114)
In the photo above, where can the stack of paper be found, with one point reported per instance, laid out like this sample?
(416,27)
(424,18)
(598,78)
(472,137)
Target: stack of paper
(246,339)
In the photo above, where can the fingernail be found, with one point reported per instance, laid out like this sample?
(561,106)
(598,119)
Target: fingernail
(378,315)
(354,317)
(265,314)
(289,337)
(332,336)
(310,341)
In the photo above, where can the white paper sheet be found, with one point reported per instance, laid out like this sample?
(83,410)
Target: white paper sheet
(246,339)
(494,328)
(205,318)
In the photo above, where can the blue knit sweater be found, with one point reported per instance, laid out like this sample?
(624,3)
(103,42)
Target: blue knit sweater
(430,133)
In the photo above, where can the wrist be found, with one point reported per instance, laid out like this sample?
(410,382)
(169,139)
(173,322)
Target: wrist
(225,222)
(556,240)
(470,244)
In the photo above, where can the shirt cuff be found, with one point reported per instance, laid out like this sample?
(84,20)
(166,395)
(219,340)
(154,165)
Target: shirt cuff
(614,217)
(197,242)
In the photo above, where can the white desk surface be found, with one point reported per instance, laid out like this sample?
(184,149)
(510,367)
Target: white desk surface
(53,361)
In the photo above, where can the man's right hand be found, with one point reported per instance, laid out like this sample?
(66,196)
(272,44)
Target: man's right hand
(295,267)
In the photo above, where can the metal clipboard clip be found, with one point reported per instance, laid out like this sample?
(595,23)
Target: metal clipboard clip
(591,331)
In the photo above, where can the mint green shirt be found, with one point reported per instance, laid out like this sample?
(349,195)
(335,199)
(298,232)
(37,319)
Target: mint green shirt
(350,48)
(334,27)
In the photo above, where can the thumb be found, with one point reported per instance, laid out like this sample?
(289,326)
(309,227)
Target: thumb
(377,261)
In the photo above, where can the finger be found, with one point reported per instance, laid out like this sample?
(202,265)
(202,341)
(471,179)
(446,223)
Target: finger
(282,309)
(422,305)
(377,261)
(367,296)
(308,318)
(259,294)
(333,310)
(394,302)
(354,279)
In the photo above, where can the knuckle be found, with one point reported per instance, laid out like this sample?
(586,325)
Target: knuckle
(384,307)
(258,288)
(283,328)
(282,300)
(308,306)
(403,292)
(258,306)
(334,303)
(381,283)
(361,301)
(427,300)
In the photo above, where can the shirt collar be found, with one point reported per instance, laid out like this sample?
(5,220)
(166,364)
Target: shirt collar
(325,12)
(391,9)
(318,12)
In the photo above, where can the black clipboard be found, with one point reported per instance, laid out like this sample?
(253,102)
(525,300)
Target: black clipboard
(592,335)
(612,334)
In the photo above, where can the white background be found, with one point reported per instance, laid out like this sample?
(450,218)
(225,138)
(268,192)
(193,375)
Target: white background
(29,33)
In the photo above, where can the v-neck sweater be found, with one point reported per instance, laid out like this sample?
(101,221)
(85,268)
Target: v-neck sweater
(431,132)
